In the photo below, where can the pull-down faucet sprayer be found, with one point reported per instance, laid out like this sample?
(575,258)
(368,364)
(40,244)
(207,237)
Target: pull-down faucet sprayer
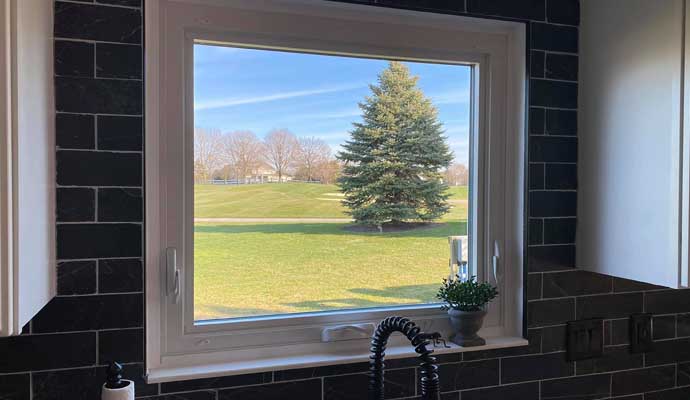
(420,341)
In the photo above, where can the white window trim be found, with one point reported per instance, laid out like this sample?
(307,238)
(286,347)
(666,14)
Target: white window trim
(176,348)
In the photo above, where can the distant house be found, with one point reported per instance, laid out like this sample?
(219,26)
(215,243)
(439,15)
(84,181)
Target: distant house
(262,174)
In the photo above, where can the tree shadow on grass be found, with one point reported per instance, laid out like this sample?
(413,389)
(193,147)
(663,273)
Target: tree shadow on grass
(405,295)
(446,229)
(409,294)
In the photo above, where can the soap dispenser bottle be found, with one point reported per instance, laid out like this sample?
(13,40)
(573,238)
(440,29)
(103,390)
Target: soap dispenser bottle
(116,388)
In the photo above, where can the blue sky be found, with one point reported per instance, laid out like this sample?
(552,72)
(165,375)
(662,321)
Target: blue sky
(311,95)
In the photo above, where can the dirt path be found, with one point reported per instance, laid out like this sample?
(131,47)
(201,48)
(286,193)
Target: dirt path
(300,220)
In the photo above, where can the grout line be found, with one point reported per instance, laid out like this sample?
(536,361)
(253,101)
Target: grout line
(60,149)
(99,114)
(99,4)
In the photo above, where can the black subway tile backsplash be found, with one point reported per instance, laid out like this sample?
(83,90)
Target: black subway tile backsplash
(75,204)
(585,387)
(98,96)
(575,283)
(469,374)
(550,312)
(398,383)
(120,275)
(91,168)
(305,389)
(683,325)
(563,11)
(91,22)
(123,346)
(559,230)
(670,394)
(76,277)
(522,391)
(76,241)
(42,352)
(664,327)
(609,305)
(546,204)
(535,231)
(561,122)
(74,58)
(643,380)
(84,383)
(536,67)
(560,177)
(561,66)
(668,351)
(553,338)
(536,120)
(667,301)
(522,9)
(536,176)
(201,395)
(120,205)
(554,37)
(15,387)
(537,367)
(550,258)
(120,133)
(118,61)
(614,359)
(75,131)
(81,313)
(551,93)
(216,383)
(553,149)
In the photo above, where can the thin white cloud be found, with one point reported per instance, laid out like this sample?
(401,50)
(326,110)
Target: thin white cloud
(236,101)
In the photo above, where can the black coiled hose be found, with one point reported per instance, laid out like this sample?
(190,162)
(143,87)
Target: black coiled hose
(427,368)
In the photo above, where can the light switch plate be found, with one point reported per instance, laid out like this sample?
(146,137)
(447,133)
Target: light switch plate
(585,339)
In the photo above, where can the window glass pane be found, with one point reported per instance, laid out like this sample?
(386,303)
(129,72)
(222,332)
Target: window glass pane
(324,182)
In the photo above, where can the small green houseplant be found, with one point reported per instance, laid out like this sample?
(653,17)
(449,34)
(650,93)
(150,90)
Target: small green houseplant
(466,303)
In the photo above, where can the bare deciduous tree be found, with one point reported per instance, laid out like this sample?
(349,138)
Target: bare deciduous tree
(312,152)
(207,153)
(457,175)
(328,171)
(281,149)
(242,151)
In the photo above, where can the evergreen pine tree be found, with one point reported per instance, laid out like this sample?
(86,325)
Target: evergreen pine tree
(395,156)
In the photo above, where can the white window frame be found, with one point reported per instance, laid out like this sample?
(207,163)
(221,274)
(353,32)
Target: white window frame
(176,346)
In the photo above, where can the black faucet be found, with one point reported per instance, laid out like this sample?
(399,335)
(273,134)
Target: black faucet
(420,340)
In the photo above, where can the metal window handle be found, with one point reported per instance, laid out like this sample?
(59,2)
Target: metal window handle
(495,262)
(172,274)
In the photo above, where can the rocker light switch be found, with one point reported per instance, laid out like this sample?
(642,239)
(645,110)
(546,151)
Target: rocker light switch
(640,333)
(585,339)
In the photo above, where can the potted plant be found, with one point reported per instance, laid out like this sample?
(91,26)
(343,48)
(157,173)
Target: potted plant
(466,304)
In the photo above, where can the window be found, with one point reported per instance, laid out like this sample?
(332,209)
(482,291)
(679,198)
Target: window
(275,136)
(283,202)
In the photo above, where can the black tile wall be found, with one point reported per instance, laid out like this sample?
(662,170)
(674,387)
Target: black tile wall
(98,314)
(75,131)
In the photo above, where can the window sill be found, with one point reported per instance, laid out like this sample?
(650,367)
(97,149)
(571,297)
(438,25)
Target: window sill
(167,374)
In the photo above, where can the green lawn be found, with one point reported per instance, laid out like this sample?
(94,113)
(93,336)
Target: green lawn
(244,269)
(249,269)
(287,200)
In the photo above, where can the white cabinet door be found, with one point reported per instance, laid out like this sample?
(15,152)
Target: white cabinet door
(630,195)
(27,153)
